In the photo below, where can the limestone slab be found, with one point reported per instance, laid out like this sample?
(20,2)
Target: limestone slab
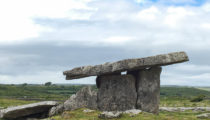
(26,110)
(126,65)
(116,93)
(148,89)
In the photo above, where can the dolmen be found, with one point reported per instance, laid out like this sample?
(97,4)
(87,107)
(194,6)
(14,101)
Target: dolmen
(130,83)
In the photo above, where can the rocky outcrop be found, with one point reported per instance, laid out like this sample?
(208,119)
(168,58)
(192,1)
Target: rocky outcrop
(116,93)
(85,98)
(27,110)
(126,65)
(182,109)
(204,116)
(118,114)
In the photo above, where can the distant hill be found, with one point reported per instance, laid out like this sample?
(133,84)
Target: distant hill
(53,92)
(183,91)
(62,92)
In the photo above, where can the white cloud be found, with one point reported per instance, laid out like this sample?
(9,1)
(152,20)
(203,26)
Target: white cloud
(205,25)
(120,40)
(17,16)
(174,15)
(206,7)
(149,13)
(144,30)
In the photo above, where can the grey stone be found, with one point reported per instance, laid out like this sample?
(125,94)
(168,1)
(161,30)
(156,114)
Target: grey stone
(132,111)
(26,110)
(85,98)
(126,65)
(88,111)
(110,115)
(148,89)
(182,109)
(204,116)
(116,92)
(56,110)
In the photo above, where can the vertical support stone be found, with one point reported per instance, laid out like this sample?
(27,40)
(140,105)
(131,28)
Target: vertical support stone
(116,92)
(148,89)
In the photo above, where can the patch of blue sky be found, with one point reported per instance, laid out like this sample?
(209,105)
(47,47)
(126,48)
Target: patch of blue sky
(184,2)
(174,2)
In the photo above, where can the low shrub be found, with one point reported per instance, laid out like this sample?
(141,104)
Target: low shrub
(198,98)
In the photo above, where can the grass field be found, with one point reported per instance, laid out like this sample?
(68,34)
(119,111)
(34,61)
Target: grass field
(13,102)
(12,95)
(80,115)
(204,88)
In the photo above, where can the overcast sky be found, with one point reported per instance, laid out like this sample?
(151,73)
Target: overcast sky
(39,39)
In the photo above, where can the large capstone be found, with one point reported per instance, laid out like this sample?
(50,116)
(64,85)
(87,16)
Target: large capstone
(148,89)
(126,65)
(116,92)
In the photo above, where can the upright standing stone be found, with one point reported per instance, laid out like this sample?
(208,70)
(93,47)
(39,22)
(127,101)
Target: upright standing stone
(148,89)
(116,92)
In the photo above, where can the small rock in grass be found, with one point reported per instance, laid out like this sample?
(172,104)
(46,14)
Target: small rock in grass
(204,116)
(88,111)
(133,111)
(110,115)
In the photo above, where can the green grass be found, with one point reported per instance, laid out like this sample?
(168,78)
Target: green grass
(54,92)
(186,92)
(182,102)
(13,102)
(10,95)
(80,115)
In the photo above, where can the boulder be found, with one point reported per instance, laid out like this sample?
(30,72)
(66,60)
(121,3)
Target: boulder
(29,110)
(148,89)
(85,98)
(126,65)
(116,92)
